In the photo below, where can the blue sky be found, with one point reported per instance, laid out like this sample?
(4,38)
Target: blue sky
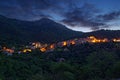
(80,15)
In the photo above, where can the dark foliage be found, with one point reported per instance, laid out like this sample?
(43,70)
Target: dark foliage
(81,62)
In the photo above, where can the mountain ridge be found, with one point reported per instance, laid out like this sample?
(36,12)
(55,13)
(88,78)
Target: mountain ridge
(44,30)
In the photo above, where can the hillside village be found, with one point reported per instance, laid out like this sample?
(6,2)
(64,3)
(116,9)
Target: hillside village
(51,47)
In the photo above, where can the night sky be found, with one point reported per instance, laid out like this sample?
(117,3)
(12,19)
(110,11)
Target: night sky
(81,15)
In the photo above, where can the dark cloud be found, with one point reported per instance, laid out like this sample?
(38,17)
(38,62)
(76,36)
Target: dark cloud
(28,9)
(110,16)
(83,17)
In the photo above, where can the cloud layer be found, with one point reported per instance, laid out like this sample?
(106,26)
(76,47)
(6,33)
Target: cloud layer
(74,13)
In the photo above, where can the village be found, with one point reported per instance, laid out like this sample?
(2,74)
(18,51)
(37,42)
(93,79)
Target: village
(51,47)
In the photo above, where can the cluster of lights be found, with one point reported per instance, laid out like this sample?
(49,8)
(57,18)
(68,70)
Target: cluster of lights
(116,40)
(51,47)
(95,40)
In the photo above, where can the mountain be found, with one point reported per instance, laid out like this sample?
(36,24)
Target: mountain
(52,31)
(44,30)
(104,34)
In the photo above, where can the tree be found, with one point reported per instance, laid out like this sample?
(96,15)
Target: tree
(62,71)
(98,64)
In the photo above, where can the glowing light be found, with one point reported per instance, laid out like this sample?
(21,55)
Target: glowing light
(43,50)
(64,43)
(4,48)
(52,46)
(27,50)
(93,41)
(36,45)
(105,40)
(8,50)
(116,40)
(72,42)
(92,37)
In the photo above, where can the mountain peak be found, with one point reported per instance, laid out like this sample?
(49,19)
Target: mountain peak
(45,20)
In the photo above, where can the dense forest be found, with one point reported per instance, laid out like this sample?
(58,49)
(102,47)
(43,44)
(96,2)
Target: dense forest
(99,61)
